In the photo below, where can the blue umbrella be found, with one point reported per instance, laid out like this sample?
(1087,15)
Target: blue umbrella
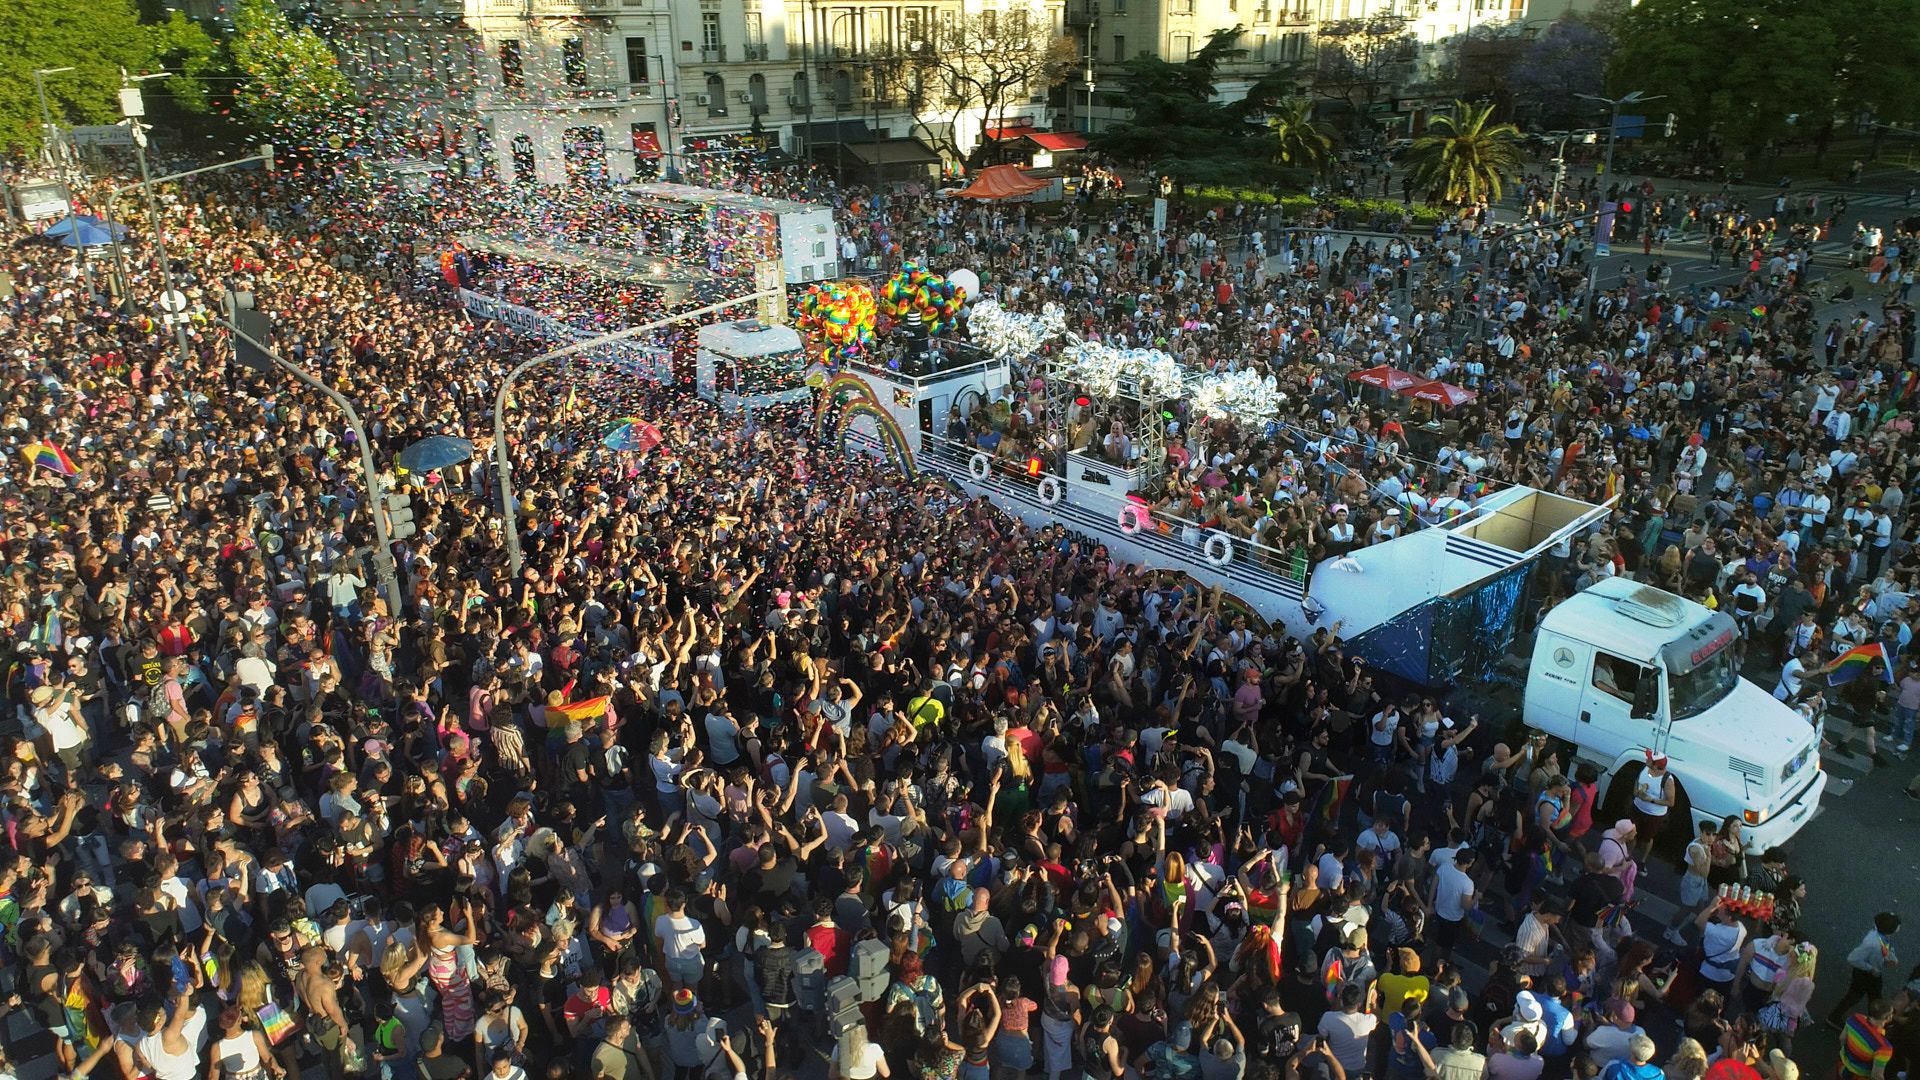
(434,452)
(84,230)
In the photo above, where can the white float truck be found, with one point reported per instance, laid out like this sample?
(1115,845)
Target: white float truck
(1622,669)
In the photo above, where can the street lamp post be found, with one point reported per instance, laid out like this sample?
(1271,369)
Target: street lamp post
(56,154)
(503,462)
(133,108)
(383,565)
(1632,97)
(46,110)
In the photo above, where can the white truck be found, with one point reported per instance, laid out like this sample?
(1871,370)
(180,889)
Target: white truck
(1622,669)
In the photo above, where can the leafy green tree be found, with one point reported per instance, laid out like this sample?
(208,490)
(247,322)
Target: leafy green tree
(97,38)
(294,91)
(1298,139)
(1177,129)
(1464,158)
(1744,74)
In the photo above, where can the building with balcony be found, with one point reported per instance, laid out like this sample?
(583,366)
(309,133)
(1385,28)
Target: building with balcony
(527,90)
(1274,33)
(853,86)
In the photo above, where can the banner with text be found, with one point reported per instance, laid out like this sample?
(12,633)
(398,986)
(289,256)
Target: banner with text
(646,361)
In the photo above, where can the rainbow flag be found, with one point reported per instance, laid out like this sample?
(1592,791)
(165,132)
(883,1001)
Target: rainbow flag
(1332,797)
(49,456)
(1333,978)
(584,710)
(276,1024)
(1855,661)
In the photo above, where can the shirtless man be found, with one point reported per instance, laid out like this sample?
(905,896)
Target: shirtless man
(318,988)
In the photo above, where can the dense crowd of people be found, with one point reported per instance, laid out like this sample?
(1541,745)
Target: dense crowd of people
(769,758)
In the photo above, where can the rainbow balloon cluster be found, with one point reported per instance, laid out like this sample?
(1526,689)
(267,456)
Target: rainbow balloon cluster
(916,289)
(842,313)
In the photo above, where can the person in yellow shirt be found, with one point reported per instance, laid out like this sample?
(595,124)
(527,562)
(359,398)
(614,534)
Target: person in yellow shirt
(926,710)
(1404,983)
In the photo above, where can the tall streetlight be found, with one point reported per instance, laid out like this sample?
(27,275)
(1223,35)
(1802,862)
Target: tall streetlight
(383,566)
(133,108)
(503,461)
(1632,97)
(46,110)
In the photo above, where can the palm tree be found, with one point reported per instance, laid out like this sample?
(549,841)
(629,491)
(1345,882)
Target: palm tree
(1297,138)
(1465,158)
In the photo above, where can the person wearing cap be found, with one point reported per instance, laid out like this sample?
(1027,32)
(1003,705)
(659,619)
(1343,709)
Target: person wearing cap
(1637,1064)
(1612,1040)
(58,728)
(1654,794)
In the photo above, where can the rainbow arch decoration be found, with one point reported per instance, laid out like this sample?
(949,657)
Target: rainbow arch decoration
(851,397)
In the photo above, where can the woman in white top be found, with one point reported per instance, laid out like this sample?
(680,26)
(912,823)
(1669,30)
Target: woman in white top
(857,1059)
(241,1053)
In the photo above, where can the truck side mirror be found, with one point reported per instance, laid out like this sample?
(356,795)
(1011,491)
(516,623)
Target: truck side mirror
(1646,697)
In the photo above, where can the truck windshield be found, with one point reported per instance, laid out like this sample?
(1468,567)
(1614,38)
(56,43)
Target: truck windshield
(1700,687)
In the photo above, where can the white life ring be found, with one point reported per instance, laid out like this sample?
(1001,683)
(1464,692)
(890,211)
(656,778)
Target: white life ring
(1049,490)
(978,467)
(1133,518)
(1218,548)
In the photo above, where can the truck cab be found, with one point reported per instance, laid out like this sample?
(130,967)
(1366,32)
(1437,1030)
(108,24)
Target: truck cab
(1622,669)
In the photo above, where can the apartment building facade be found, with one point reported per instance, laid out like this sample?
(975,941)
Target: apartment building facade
(546,90)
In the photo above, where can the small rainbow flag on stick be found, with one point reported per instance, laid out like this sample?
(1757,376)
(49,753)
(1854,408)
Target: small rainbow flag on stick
(49,456)
(1332,797)
(1854,663)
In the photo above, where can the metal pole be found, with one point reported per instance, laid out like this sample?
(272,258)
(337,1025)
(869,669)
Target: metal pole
(160,245)
(503,463)
(1559,174)
(1593,268)
(383,565)
(46,111)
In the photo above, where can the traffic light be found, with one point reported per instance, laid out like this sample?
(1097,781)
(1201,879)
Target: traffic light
(399,515)
(257,326)
(1672,125)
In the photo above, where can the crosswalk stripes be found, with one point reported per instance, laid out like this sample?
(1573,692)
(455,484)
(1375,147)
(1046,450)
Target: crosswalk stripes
(1863,198)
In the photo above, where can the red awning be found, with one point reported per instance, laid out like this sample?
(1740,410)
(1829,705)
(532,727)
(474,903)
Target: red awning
(1002,134)
(647,142)
(1386,378)
(1000,182)
(1445,395)
(1058,140)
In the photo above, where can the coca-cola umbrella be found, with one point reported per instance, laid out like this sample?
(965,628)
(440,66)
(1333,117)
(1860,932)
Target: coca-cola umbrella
(1435,392)
(1386,378)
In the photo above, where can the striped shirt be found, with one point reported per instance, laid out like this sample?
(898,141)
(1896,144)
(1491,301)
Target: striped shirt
(1864,1050)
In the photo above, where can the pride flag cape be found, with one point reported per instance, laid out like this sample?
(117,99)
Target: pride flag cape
(583,711)
(1854,663)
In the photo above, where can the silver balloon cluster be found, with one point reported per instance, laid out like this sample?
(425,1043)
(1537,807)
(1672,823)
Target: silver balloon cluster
(1147,374)
(1244,396)
(1014,335)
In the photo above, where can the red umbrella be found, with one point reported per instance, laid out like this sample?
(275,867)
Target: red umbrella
(1386,378)
(1445,395)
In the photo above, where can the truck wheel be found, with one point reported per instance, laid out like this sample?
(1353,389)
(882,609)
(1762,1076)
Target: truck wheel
(1618,801)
